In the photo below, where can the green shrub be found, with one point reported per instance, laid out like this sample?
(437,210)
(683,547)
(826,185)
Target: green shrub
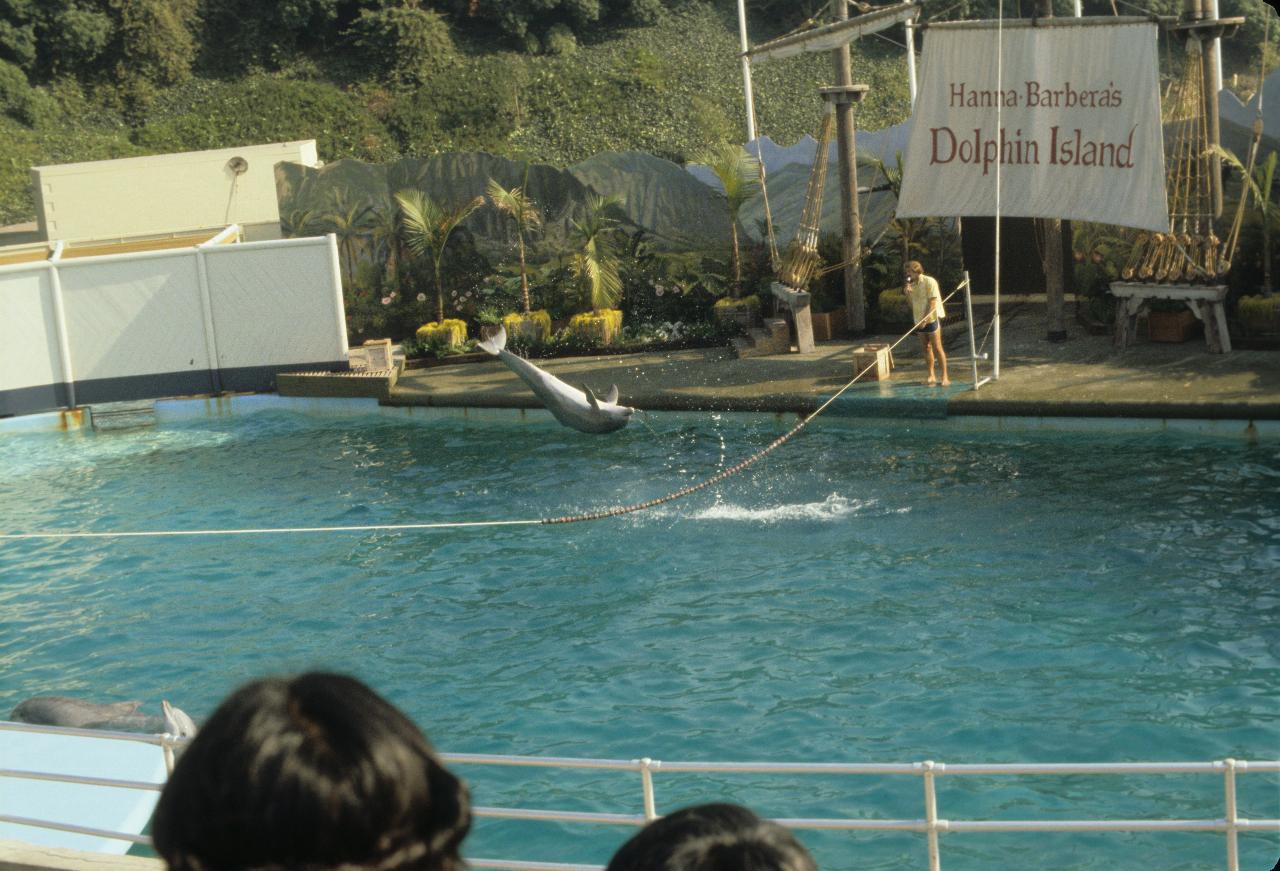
(15,92)
(894,307)
(266,108)
(560,40)
(1259,314)
(408,45)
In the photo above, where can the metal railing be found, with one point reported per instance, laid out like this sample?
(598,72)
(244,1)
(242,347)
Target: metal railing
(930,824)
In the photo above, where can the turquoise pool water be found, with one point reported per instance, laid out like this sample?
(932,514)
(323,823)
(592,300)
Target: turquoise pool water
(870,592)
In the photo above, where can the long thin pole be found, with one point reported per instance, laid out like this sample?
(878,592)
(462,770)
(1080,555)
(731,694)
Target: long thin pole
(911,59)
(746,70)
(995,368)
(968,318)
(851,223)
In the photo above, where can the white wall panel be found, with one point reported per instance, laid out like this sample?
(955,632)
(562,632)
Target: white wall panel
(276,303)
(134,316)
(28,332)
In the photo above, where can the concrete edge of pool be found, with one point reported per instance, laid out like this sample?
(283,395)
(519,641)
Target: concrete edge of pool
(935,412)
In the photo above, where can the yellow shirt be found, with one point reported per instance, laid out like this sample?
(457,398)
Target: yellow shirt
(923,293)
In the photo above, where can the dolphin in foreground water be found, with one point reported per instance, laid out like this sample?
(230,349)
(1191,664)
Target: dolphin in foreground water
(116,716)
(578,409)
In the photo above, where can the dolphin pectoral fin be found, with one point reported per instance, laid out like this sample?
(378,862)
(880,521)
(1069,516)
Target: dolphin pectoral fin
(612,396)
(591,398)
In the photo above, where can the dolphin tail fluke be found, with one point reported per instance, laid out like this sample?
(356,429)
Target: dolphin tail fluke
(612,396)
(494,343)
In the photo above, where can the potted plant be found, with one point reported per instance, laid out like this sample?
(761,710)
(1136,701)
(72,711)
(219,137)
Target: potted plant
(743,313)
(516,204)
(593,266)
(427,226)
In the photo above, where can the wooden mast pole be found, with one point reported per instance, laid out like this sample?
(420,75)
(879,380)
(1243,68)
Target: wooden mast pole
(851,223)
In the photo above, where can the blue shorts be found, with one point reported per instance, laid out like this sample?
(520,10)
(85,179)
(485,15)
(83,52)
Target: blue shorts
(931,327)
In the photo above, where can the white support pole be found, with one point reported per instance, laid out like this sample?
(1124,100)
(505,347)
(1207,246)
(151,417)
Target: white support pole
(968,317)
(911,59)
(746,70)
(1079,9)
(210,332)
(60,324)
(1217,53)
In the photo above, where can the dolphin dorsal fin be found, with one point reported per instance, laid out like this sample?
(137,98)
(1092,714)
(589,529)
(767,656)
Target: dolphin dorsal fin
(612,396)
(591,398)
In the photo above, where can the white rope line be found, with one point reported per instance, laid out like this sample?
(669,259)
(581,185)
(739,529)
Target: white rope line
(476,524)
(372,527)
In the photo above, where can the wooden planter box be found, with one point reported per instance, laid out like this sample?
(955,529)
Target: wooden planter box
(830,325)
(743,316)
(1164,326)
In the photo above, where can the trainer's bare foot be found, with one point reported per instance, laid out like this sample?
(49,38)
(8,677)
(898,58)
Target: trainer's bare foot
(946,382)
(931,382)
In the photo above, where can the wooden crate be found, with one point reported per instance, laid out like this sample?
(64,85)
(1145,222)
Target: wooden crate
(877,356)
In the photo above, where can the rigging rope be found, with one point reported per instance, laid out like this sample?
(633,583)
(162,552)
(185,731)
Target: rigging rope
(542,521)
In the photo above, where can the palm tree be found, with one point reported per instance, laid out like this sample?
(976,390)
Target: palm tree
(426,226)
(1259,186)
(299,222)
(349,221)
(739,175)
(595,262)
(908,230)
(384,230)
(521,208)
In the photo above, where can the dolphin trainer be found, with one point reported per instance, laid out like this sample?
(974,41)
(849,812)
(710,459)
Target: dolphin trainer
(578,409)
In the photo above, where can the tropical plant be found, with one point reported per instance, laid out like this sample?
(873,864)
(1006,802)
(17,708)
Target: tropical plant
(348,219)
(384,231)
(426,226)
(1258,185)
(739,175)
(909,231)
(524,212)
(594,262)
(298,222)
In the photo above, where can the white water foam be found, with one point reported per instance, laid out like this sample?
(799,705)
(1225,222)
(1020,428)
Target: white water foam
(833,507)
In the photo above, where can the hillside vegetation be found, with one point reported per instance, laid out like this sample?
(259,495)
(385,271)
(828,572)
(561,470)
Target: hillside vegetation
(672,88)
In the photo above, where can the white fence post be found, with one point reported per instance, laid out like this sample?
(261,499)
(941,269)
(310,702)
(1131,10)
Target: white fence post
(646,781)
(931,815)
(1233,823)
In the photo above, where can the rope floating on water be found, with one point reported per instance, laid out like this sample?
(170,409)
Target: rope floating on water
(474,524)
(749,461)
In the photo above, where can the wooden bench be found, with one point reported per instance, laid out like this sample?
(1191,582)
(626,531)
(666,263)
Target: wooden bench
(1205,302)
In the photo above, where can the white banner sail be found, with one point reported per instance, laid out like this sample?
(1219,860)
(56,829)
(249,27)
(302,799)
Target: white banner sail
(1072,123)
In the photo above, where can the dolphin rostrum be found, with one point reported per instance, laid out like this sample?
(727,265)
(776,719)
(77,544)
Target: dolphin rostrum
(578,409)
(116,716)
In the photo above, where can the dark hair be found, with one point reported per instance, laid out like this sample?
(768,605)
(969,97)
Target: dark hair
(311,772)
(712,837)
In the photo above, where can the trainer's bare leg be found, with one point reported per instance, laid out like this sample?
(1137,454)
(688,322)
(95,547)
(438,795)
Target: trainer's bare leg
(926,343)
(935,340)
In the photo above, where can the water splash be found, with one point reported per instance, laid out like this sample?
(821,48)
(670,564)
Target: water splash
(833,507)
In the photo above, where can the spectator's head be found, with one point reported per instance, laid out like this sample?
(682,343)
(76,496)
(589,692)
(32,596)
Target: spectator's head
(712,837)
(311,772)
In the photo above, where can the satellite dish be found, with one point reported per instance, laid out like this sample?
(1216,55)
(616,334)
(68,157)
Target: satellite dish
(238,165)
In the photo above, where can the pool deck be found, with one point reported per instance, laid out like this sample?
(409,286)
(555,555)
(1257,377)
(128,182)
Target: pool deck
(1081,377)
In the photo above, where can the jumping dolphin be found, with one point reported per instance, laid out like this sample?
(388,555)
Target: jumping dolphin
(578,409)
(116,716)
